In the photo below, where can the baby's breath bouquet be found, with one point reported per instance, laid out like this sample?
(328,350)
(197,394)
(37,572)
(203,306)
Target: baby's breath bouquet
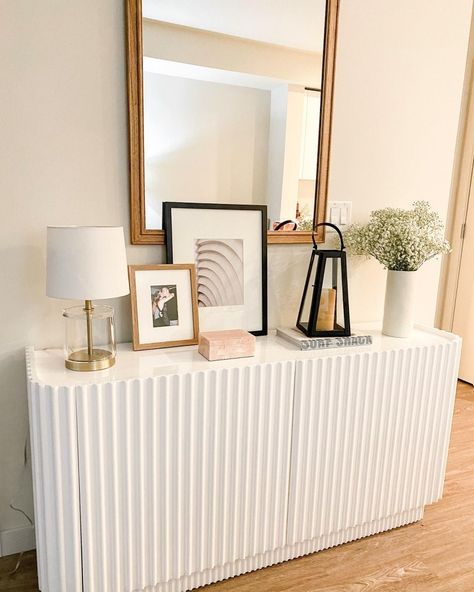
(401,240)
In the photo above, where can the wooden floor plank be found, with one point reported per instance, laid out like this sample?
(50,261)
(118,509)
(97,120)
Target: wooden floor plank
(433,555)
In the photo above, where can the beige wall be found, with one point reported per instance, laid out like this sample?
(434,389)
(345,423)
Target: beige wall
(63,158)
(398,89)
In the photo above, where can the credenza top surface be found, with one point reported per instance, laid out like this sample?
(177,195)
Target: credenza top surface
(46,366)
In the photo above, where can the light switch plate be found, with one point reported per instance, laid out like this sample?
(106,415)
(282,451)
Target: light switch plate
(339,213)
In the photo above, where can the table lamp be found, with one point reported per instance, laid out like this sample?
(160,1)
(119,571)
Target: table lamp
(87,263)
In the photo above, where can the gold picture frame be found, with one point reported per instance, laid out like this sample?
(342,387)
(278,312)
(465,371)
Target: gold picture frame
(139,233)
(150,296)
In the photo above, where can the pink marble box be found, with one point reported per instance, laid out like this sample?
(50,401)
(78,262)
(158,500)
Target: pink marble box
(224,345)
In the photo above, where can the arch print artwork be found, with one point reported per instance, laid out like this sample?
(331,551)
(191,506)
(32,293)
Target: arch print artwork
(220,272)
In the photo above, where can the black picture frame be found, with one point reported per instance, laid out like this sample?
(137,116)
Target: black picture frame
(168,208)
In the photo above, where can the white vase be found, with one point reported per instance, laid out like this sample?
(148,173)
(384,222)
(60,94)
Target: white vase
(399,310)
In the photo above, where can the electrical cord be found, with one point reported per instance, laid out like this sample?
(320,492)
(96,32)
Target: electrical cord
(17,565)
(17,509)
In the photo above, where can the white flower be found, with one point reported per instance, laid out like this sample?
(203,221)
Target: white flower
(401,240)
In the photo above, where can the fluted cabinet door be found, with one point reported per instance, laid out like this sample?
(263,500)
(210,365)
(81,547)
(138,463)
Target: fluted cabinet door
(182,473)
(370,440)
(52,415)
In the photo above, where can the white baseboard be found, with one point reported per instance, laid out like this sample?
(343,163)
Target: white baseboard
(17,540)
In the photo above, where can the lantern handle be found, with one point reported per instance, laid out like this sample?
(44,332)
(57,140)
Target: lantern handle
(313,234)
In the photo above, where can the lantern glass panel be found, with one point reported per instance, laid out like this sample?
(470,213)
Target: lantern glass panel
(330,314)
(306,304)
(306,307)
(340,318)
(339,312)
(326,314)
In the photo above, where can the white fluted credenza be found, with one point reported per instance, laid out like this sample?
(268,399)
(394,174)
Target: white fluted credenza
(168,472)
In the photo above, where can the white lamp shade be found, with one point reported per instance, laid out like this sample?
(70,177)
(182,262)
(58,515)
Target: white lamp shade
(86,262)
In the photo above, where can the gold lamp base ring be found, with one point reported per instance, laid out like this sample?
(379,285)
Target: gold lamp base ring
(82,361)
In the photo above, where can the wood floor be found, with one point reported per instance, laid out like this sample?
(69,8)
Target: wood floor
(433,555)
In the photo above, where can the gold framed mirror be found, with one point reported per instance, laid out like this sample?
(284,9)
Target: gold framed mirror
(168,53)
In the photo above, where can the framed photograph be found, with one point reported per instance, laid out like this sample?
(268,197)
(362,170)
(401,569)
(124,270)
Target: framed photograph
(228,245)
(164,305)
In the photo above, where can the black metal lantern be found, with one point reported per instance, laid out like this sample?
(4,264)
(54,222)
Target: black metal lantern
(324,310)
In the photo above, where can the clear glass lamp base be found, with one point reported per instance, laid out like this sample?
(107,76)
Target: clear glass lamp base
(90,337)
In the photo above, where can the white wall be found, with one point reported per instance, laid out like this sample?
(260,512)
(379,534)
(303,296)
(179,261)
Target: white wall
(204,142)
(63,158)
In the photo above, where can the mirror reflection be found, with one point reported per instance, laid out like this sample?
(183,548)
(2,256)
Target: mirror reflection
(231,98)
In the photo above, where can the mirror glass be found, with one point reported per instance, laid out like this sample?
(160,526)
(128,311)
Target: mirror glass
(231,99)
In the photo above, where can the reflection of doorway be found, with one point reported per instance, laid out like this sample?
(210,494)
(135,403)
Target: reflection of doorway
(457,290)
